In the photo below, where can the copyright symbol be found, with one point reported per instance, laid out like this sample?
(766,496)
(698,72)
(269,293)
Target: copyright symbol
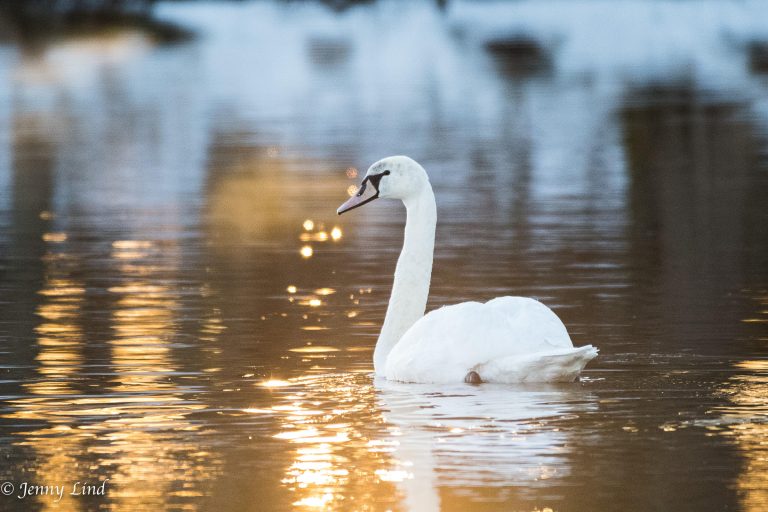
(6,488)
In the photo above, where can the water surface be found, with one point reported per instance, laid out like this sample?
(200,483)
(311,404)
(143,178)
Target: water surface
(182,312)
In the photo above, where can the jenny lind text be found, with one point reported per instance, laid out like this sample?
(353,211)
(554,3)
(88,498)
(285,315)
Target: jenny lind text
(78,488)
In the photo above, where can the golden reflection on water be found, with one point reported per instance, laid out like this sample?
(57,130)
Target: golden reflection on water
(319,236)
(746,423)
(60,342)
(336,463)
(142,321)
(355,444)
(250,197)
(306,251)
(59,336)
(127,431)
(55,237)
(143,443)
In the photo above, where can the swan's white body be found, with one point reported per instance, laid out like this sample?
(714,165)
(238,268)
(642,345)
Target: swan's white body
(505,340)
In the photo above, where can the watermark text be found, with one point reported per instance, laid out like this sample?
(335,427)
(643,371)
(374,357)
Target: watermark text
(24,490)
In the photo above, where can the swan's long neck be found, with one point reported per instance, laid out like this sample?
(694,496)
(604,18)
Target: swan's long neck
(412,275)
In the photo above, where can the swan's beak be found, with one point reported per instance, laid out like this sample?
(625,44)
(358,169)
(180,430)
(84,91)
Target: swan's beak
(368,191)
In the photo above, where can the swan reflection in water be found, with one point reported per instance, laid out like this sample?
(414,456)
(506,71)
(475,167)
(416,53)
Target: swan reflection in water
(418,443)
(497,437)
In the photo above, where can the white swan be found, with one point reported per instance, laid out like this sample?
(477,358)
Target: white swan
(505,340)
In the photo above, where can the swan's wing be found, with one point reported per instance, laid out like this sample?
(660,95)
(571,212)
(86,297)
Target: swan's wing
(531,322)
(562,365)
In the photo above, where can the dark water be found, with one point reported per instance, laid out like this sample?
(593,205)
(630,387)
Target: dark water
(182,312)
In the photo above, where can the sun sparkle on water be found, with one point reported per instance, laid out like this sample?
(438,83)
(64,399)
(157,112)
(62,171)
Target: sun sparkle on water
(274,383)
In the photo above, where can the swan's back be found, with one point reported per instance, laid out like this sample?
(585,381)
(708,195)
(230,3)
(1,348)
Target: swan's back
(503,339)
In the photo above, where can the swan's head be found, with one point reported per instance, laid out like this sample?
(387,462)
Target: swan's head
(394,177)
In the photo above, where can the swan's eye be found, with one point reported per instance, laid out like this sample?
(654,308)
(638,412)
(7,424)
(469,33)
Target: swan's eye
(385,173)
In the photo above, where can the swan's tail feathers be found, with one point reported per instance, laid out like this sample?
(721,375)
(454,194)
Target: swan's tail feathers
(562,365)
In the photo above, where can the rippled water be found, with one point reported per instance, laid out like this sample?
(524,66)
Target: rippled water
(182,312)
